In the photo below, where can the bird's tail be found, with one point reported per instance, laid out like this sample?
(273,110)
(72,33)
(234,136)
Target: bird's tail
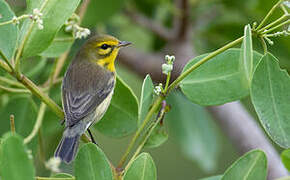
(67,147)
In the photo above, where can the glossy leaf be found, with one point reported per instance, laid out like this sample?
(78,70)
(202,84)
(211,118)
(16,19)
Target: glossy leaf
(100,11)
(219,177)
(218,81)
(246,57)
(8,32)
(142,168)
(251,166)
(194,131)
(270,94)
(122,114)
(285,156)
(61,43)
(157,138)
(146,98)
(55,13)
(14,161)
(92,163)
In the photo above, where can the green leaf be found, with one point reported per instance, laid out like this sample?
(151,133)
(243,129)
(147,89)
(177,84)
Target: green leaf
(24,114)
(251,166)
(157,138)
(270,94)
(100,11)
(122,115)
(92,163)
(8,32)
(62,175)
(61,43)
(193,128)
(217,81)
(142,168)
(14,163)
(55,13)
(213,178)
(285,156)
(159,134)
(246,57)
(146,98)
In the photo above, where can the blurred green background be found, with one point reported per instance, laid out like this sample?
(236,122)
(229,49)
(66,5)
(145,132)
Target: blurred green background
(196,146)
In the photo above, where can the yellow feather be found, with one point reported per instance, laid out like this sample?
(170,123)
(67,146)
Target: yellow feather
(109,62)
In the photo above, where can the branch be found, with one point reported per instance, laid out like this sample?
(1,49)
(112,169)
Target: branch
(147,23)
(15,90)
(34,89)
(181,20)
(83,8)
(246,134)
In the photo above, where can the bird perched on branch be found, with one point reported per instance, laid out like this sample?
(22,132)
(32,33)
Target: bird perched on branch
(87,90)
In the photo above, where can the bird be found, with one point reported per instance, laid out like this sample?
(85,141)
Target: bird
(87,90)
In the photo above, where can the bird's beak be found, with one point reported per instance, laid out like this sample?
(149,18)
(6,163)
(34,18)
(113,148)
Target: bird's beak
(124,43)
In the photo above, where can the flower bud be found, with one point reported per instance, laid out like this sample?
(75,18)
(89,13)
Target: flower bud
(167,68)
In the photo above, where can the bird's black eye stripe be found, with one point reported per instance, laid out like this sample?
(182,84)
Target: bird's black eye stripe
(105,46)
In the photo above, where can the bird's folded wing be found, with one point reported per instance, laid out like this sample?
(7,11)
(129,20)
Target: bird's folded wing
(79,106)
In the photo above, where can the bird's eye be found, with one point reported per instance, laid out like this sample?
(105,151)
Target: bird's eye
(105,46)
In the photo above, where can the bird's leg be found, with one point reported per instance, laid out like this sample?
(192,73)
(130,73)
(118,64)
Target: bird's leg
(92,137)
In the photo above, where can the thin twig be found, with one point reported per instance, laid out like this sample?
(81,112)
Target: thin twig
(269,14)
(202,61)
(37,124)
(41,95)
(182,24)
(13,20)
(160,116)
(264,45)
(284,9)
(12,123)
(273,23)
(276,27)
(23,42)
(6,60)
(83,9)
(15,90)
(140,129)
(11,82)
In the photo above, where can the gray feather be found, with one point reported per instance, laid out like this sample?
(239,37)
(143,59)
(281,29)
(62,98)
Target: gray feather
(83,90)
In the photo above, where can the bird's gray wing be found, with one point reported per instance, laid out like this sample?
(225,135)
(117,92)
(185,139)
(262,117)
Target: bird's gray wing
(84,90)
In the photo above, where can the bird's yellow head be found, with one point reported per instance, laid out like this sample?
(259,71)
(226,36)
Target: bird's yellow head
(103,50)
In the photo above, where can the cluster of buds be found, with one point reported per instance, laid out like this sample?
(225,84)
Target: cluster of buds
(277,34)
(53,164)
(167,68)
(282,33)
(158,89)
(72,26)
(36,17)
